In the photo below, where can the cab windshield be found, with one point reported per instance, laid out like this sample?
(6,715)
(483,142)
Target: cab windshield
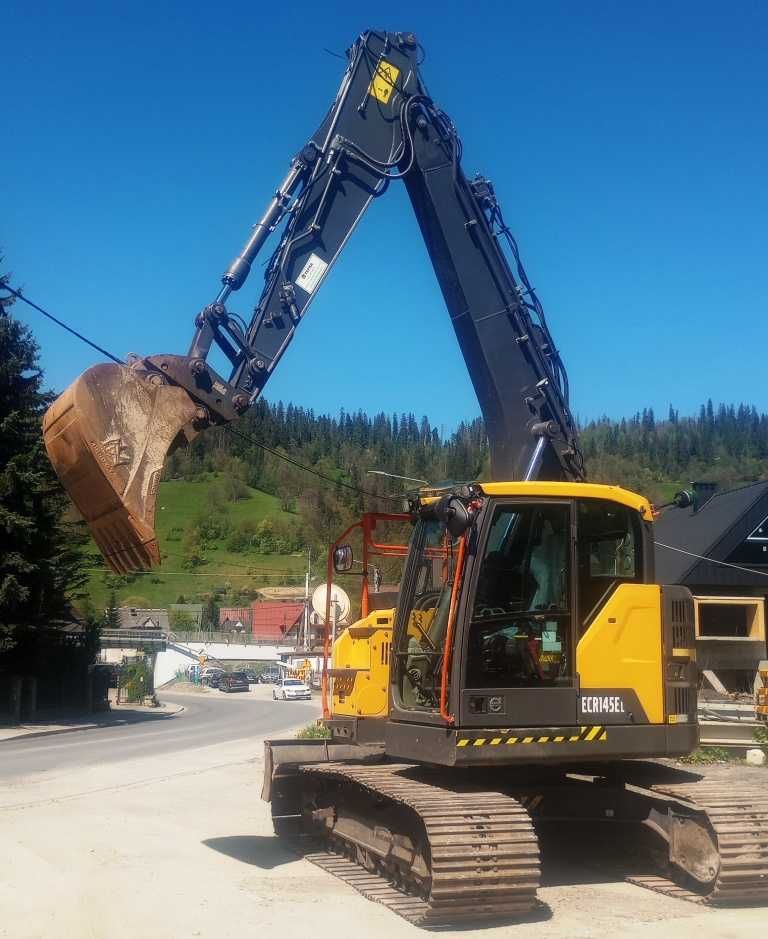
(519,631)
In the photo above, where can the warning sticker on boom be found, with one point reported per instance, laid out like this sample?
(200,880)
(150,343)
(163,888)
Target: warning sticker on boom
(383,83)
(311,273)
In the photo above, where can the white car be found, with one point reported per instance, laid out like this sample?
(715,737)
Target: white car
(291,689)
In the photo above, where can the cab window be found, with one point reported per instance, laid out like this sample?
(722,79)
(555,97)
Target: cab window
(424,606)
(519,634)
(608,553)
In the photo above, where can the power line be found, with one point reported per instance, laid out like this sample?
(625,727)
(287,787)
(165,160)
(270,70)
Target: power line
(159,572)
(20,296)
(701,557)
(308,469)
(281,456)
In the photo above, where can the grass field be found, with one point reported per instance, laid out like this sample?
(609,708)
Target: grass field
(178,502)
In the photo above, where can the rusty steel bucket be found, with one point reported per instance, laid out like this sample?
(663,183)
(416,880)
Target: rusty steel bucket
(107,437)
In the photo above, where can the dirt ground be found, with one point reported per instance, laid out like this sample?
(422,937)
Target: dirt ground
(181,845)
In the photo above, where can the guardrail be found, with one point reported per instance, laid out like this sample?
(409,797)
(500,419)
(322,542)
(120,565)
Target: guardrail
(151,639)
(729,734)
(230,639)
(133,634)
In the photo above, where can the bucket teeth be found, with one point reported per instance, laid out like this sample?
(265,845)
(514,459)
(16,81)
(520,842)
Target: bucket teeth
(107,437)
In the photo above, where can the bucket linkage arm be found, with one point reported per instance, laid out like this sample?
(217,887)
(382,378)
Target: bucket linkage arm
(110,432)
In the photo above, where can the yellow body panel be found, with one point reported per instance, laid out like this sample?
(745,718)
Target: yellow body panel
(572,491)
(362,652)
(623,647)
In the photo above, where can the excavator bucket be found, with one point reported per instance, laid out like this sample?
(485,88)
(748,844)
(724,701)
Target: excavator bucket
(107,437)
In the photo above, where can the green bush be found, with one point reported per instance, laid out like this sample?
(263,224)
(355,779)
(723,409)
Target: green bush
(134,680)
(314,732)
(182,622)
(704,755)
(243,536)
(211,527)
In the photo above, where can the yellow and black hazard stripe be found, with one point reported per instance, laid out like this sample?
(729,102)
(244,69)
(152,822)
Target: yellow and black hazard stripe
(590,734)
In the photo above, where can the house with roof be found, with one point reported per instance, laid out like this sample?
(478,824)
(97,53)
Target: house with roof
(235,619)
(138,618)
(718,548)
(277,621)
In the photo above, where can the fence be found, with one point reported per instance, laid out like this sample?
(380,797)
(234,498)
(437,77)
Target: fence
(228,638)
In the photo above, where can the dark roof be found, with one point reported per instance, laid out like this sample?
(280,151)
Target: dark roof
(132,617)
(714,531)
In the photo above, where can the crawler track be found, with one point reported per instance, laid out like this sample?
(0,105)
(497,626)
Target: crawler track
(440,848)
(740,822)
(482,852)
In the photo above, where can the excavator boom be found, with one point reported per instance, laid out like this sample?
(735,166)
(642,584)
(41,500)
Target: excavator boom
(109,433)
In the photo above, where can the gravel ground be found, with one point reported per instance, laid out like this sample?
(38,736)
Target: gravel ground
(179,844)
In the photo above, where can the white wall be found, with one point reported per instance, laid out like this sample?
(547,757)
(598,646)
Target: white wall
(180,655)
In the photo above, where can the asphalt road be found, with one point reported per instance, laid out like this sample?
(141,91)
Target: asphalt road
(157,830)
(207,719)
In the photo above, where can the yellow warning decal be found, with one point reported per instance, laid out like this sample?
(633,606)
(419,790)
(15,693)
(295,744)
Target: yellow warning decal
(589,734)
(383,83)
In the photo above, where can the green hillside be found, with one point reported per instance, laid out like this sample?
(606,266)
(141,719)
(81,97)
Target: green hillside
(182,507)
(234,518)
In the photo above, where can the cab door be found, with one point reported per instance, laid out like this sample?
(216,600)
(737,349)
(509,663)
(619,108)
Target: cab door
(518,646)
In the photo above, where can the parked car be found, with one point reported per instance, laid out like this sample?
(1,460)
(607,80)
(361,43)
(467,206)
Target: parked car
(233,681)
(291,689)
(270,676)
(211,676)
(251,676)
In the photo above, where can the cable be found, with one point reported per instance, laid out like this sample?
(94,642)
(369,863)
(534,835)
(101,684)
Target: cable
(236,433)
(19,296)
(308,469)
(701,557)
(159,572)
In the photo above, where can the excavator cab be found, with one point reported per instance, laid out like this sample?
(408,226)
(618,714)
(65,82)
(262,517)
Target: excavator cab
(107,437)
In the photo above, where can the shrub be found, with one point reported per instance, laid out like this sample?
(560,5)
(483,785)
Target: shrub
(134,680)
(313,732)
(243,536)
(761,737)
(704,755)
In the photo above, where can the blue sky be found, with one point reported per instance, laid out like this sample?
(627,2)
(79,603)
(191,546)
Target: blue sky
(627,142)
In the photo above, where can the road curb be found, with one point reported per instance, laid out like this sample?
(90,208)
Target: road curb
(71,730)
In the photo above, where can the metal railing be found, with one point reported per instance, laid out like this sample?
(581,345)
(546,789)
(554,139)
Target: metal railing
(131,635)
(228,638)
(151,640)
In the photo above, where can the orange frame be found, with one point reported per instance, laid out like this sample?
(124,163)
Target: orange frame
(371,548)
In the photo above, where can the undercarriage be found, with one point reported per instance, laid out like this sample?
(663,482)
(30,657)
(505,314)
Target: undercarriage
(443,846)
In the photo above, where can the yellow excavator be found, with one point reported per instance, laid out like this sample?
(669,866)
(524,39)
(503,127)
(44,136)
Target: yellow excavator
(531,667)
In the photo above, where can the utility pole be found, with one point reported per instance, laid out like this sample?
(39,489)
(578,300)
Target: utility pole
(306,598)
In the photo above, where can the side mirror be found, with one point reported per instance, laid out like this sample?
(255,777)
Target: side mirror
(453,512)
(342,558)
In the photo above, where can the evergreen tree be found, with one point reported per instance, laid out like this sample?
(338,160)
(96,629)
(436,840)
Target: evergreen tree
(211,614)
(112,613)
(40,563)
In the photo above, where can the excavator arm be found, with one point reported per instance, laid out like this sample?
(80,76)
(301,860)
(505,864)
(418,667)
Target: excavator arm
(109,433)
